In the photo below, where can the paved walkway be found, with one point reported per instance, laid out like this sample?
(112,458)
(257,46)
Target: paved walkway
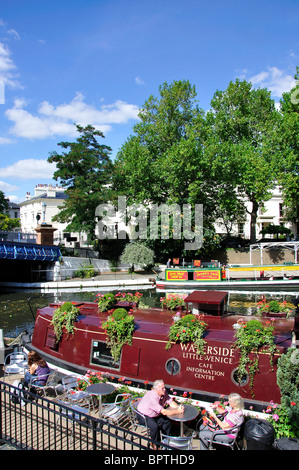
(114,280)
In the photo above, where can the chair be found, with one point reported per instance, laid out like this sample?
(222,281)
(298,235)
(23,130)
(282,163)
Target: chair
(71,392)
(181,443)
(134,417)
(15,363)
(232,443)
(118,411)
(52,383)
(73,415)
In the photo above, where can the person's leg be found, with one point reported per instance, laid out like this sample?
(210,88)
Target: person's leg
(153,426)
(164,424)
(204,436)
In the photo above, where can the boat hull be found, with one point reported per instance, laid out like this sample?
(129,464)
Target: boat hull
(204,376)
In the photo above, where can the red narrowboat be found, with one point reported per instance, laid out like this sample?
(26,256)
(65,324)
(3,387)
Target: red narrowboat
(205,375)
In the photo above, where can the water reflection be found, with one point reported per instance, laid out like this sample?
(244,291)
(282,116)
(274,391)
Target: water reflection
(15,313)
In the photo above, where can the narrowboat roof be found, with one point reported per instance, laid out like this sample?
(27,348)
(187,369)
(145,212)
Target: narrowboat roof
(153,322)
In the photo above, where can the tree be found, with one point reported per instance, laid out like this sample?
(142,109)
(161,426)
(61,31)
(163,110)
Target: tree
(85,170)
(164,162)
(242,119)
(286,140)
(7,224)
(137,253)
(3,203)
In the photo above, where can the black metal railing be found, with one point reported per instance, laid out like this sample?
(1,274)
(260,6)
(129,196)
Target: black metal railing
(31,422)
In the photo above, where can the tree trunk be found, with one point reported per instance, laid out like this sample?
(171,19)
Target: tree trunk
(253,217)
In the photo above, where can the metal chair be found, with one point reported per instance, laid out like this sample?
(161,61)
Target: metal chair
(71,392)
(217,433)
(134,417)
(118,411)
(232,443)
(181,443)
(51,384)
(15,363)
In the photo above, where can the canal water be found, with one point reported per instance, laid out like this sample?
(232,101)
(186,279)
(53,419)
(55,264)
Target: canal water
(16,314)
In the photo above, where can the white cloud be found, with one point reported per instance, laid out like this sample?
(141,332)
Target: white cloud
(4,140)
(7,188)
(139,81)
(14,33)
(29,169)
(54,121)
(8,74)
(275,80)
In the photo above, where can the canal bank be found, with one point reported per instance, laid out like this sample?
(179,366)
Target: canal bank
(113,280)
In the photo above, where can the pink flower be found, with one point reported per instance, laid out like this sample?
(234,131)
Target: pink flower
(275,417)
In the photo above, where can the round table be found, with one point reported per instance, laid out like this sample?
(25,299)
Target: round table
(189,414)
(99,390)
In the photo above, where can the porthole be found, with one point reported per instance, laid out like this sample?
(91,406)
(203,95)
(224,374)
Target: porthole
(173,366)
(235,378)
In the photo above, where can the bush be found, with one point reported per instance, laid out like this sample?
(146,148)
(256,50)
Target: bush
(119,313)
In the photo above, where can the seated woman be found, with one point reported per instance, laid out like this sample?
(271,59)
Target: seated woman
(234,417)
(38,370)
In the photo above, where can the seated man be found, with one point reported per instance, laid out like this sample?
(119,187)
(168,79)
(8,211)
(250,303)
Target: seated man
(152,405)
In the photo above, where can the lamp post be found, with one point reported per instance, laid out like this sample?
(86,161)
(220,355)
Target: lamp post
(44,206)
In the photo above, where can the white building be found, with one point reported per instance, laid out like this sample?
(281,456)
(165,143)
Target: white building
(270,214)
(42,207)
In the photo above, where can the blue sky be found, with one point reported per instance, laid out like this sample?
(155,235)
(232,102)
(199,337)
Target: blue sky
(97,62)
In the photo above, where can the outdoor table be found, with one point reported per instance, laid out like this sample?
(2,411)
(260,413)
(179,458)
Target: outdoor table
(189,414)
(99,390)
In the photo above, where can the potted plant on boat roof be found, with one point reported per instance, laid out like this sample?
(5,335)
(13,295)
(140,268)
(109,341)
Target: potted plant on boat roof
(105,301)
(119,328)
(274,308)
(253,337)
(187,329)
(64,317)
(173,303)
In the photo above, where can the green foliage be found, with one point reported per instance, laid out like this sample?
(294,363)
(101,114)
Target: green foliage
(172,302)
(86,271)
(105,301)
(64,317)
(252,337)
(285,416)
(119,328)
(85,171)
(286,143)
(3,203)
(137,253)
(7,224)
(188,329)
(273,306)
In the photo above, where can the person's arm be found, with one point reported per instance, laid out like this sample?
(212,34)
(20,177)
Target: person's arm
(221,424)
(173,409)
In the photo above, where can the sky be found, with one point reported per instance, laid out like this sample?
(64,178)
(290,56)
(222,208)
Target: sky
(67,62)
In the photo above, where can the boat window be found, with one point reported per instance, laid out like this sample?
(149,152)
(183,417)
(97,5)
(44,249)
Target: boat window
(173,366)
(101,355)
(235,378)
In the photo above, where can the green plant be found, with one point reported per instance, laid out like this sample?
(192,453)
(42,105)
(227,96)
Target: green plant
(64,317)
(284,419)
(85,271)
(129,297)
(119,328)
(172,303)
(105,301)
(273,306)
(189,328)
(251,337)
